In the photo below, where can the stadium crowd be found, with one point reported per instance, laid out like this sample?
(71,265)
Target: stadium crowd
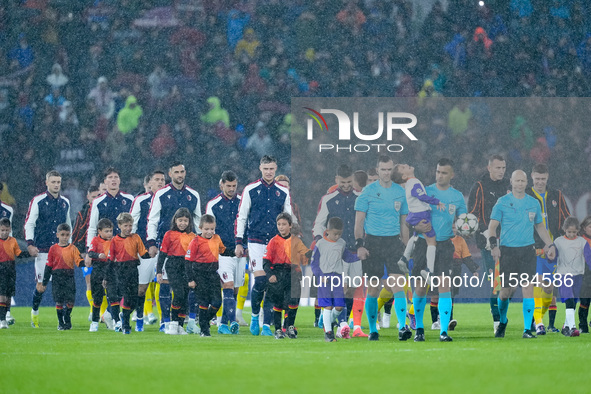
(133,83)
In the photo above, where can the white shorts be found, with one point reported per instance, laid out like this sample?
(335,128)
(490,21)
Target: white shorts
(232,270)
(164,276)
(40,263)
(255,255)
(353,270)
(147,270)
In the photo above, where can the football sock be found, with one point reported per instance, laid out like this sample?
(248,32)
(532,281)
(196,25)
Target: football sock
(204,318)
(494,308)
(546,301)
(229,308)
(528,312)
(388,306)
(326,315)
(342,315)
(317,312)
(277,315)
(419,303)
(434,311)
(400,308)
(115,311)
(291,315)
(358,304)
(410,246)
(552,315)
(445,310)
(257,294)
(126,317)
(583,311)
(570,318)
(60,315)
(148,307)
(141,300)
(335,315)
(348,306)
(157,299)
(165,299)
(68,316)
(174,313)
(384,297)
(212,312)
(89,298)
(431,249)
(3,311)
(411,310)
(371,308)
(267,310)
(96,312)
(37,297)
(503,308)
(242,293)
(104,305)
(193,306)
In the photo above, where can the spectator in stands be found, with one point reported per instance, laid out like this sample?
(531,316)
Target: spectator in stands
(57,79)
(129,116)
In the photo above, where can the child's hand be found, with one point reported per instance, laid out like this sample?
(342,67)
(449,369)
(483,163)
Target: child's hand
(102,256)
(104,283)
(441,206)
(40,287)
(159,278)
(272,279)
(192,284)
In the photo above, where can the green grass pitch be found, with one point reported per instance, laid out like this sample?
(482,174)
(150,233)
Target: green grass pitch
(45,360)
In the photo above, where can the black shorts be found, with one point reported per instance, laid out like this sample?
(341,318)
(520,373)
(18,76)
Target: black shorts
(517,260)
(7,279)
(383,252)
(63,287)
(444,256)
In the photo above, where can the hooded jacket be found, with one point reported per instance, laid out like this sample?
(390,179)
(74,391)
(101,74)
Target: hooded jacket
(128,118)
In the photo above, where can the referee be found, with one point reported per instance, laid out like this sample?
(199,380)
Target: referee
(380,215)
(518,214)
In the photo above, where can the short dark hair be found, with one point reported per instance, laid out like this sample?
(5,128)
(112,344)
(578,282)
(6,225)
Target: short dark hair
(495,157)
(5,222)
(444,161)
(104,223)
(372,172)
(570,222)
(228,176)
(52,173)
(360,177)
(284,216)
(64,227)
(540,168)
(147,179)
(585,223)
(157,172)
(396,176)
(109,171)
(344,171)
(182,213)
(383,159)
(334,223)
(268,159)
(92,189)
(207,218)
(175,163)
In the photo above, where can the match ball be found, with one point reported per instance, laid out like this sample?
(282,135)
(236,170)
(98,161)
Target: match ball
(467,224)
